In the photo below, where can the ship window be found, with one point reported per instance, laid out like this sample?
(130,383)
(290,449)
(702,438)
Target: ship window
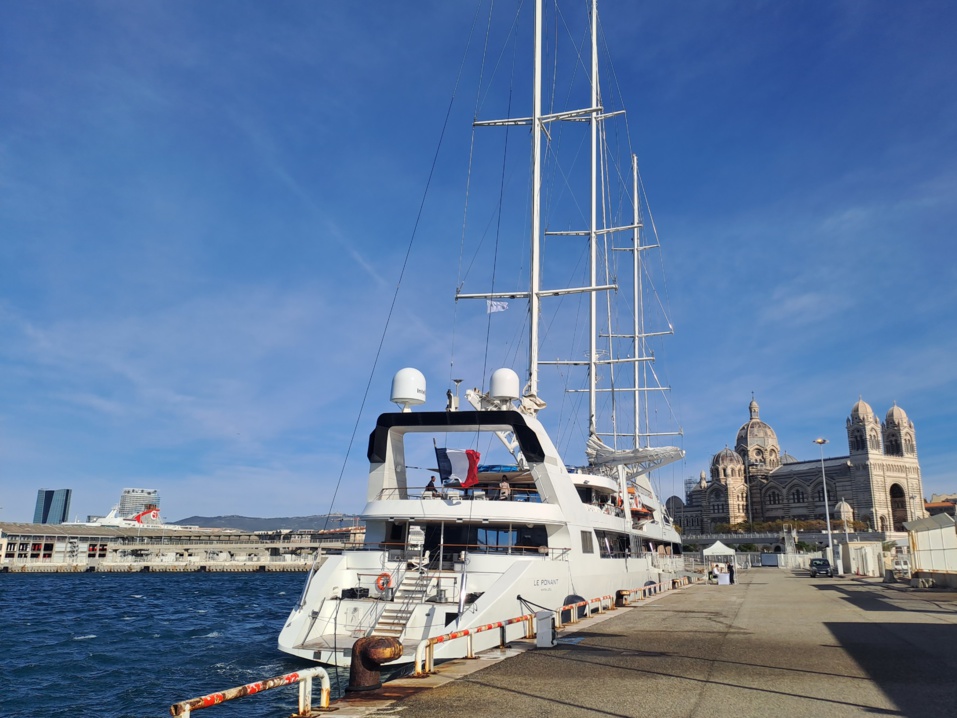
(588,545)
(612,544)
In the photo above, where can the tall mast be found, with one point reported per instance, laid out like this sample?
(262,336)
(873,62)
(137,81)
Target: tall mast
(593,227)
(534,299)
(638,342)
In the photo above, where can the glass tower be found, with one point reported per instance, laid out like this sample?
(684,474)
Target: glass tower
(53,506)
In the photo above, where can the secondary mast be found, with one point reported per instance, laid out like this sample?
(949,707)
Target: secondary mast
(534,299)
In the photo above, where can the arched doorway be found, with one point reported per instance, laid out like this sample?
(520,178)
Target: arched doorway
(898,507)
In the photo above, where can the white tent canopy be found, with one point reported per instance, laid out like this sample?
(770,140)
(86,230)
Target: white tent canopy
(719,549)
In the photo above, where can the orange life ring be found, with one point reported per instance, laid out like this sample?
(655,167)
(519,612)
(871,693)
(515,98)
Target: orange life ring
(383,582)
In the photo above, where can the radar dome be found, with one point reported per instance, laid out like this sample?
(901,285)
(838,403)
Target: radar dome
(408,388)
(504,385)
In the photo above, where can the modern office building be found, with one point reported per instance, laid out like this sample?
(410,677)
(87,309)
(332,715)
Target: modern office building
(53,506)
(134,501)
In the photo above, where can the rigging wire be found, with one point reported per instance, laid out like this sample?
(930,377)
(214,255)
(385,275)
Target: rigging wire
(405,263)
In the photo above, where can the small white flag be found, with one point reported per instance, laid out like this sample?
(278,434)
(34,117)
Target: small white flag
(494,306)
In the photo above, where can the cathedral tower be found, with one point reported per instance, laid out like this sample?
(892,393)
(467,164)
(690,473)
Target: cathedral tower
(863,430)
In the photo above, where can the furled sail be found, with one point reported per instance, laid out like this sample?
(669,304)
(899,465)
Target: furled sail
(651,457)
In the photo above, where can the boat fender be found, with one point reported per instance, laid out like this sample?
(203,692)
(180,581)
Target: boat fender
(383,581)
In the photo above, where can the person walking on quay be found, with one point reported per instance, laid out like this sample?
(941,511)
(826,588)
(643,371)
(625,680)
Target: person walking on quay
(731,572)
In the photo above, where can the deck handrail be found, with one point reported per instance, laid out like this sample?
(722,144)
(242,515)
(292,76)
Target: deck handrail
(303,678)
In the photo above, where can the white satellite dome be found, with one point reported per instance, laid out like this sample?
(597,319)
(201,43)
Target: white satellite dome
(504,385)
(408,388)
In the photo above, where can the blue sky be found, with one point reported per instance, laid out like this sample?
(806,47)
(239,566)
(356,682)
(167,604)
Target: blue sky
(205,209)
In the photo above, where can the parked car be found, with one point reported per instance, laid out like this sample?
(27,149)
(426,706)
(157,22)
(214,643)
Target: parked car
(821,567)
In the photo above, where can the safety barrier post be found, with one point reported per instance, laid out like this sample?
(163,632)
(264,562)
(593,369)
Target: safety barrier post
(419,659)
(529,626)
(303,678)
(468,647)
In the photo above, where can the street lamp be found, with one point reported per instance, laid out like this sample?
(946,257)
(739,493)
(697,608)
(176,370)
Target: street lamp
(827,511)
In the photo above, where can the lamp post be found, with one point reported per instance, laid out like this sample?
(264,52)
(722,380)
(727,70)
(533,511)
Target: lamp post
(827,511)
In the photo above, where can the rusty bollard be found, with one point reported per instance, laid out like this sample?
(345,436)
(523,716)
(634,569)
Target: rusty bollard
(368,655)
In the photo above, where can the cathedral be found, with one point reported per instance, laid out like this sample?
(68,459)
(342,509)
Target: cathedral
(876,483)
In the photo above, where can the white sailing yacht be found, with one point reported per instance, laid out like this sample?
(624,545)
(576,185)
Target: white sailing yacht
(495,541)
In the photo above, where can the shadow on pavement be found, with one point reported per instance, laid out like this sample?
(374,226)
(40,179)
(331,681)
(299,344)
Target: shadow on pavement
(912,663)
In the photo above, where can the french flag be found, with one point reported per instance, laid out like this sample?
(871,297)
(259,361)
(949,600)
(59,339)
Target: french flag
(458,467)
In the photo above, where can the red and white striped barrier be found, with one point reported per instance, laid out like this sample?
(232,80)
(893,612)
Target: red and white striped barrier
(303,678)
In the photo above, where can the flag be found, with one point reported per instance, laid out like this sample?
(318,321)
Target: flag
(457,467)
(494,306)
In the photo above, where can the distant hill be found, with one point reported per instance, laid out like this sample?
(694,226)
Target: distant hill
(251,523)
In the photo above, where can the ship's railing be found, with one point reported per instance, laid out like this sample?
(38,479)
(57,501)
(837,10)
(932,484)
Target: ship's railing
(473,493)
(303,678)
(400,552)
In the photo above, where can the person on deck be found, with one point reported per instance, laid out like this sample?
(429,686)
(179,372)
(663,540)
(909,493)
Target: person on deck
(504,490)
(430,487)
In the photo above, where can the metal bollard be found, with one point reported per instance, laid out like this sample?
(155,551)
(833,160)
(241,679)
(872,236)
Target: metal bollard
(368,655)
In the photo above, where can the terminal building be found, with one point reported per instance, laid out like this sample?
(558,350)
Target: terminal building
(90,547)
(877,483)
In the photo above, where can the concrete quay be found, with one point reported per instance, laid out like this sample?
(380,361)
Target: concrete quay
(777,643)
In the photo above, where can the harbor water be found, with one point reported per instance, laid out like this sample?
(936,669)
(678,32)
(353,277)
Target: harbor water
(130,645)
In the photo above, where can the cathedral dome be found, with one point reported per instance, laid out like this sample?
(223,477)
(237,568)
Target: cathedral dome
(786,458)
(756,432)
(861,411)
(896,415)
(756,439)
(726,457)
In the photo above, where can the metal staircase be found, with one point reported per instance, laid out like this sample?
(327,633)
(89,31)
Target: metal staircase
(408,594)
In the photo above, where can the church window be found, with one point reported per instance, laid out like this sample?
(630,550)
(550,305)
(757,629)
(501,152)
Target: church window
(908,445)
(797,496)
(819,493)
(857,442)
(773,498)
(873,442)
(893,445)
